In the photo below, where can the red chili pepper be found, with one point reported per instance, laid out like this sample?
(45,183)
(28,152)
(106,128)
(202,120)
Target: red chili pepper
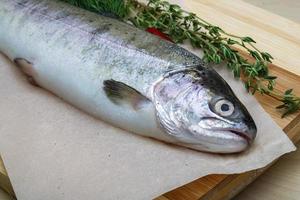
(160,34)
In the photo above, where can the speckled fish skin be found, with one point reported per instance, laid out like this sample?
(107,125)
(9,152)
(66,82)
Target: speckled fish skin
(124,76)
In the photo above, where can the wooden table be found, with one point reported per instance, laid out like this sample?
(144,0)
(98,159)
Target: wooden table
(273,34)
(4,180)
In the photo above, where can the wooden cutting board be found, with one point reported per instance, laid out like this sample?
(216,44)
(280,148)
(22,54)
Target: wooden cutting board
(273,34)
(4,180)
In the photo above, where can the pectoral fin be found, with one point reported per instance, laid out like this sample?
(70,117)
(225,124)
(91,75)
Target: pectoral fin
(120,93)
(27,68)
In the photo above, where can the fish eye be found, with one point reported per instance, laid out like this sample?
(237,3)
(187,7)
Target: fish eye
(224,107)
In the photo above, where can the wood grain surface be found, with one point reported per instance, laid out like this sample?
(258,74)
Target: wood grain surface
(4,196)
(279,182)
(241,18)
(2,169)
(5,182)
(280,37)
(219,187)
(273,33)
(287,8)
(282,180)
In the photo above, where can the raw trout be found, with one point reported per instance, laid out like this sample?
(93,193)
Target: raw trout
(124,76)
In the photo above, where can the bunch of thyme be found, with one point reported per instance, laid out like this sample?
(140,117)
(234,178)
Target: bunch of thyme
(218,46)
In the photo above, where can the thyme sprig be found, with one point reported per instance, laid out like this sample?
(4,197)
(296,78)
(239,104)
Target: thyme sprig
(218,45)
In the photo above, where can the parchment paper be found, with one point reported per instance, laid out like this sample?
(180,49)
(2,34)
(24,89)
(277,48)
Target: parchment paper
(54,151)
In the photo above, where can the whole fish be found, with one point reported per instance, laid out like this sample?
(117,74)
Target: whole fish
(124,76)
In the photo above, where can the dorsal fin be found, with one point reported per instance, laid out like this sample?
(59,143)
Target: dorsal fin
(120,93)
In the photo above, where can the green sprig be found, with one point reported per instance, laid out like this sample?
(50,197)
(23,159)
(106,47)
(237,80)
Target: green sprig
(218,46)
(119,8)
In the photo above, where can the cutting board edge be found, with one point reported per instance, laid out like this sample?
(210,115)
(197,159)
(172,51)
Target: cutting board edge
(249,177)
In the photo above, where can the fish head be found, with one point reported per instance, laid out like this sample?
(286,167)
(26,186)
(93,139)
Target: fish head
(199,110)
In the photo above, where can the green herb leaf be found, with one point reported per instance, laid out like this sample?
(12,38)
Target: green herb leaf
(217,44)
(288,92)
(270,77)
(232,42)
(248,40)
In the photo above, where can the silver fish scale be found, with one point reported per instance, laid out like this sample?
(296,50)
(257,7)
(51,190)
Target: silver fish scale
(74,53)
(140,59)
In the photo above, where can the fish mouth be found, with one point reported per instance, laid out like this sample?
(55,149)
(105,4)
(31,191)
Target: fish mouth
(242,135)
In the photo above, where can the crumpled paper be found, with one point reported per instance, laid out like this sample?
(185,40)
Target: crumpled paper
(54,151)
